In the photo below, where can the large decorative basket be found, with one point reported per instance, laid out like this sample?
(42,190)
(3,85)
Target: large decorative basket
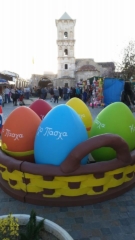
(71,184)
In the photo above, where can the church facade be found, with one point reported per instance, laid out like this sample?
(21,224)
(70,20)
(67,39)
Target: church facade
(71,70)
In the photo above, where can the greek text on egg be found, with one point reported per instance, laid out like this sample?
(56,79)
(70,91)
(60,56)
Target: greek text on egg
(82,115)
(50,132)
(102,125)
(132,128)
(13,135)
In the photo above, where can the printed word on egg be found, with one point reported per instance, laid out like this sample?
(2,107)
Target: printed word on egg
(15,136)
(118,119)
(58,134)
(50,132)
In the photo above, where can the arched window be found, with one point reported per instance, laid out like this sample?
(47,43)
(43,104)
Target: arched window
(65,52)
(65,34)
(66,66)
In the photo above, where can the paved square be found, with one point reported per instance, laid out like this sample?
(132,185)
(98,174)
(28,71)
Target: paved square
(110,220)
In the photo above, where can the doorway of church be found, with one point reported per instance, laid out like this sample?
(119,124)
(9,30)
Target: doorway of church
(44,83)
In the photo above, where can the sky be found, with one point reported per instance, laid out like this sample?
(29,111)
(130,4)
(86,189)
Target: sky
(28,32)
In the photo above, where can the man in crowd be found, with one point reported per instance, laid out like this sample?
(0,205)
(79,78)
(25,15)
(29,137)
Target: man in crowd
(7,94)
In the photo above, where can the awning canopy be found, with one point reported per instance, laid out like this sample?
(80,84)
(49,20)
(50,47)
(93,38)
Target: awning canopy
(3,81)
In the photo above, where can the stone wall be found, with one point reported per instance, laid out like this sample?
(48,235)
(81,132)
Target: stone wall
(84,75)
(35,78)
(61,82)
(87,61)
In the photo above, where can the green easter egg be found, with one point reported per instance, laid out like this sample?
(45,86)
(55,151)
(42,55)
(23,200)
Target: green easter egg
(115,119)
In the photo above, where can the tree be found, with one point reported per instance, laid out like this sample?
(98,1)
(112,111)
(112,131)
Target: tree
(127,67)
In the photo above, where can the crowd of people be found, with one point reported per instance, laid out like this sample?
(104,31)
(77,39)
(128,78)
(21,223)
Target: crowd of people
(16,95)
(64,93)
(11,94)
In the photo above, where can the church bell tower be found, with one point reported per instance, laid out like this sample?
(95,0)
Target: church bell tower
(65,42)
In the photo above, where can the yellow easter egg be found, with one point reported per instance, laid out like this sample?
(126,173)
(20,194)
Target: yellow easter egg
(83,111)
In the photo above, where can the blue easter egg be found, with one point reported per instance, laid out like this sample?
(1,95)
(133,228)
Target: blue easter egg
(58,134)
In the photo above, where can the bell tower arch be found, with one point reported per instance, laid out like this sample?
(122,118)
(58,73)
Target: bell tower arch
(65,43)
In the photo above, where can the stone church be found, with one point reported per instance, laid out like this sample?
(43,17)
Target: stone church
(71,70)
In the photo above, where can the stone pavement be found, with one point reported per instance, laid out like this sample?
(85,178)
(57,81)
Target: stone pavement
(110,220)
(9,107)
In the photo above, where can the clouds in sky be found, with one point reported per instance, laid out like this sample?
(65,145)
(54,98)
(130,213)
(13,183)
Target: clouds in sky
(28,31)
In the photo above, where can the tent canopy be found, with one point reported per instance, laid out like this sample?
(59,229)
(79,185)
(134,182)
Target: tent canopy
(112,89)
(5,82)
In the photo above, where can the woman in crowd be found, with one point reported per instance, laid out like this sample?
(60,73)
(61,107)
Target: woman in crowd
(84,96)
(14,96)
(127,95)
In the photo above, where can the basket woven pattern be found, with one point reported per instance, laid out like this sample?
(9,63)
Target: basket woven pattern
(70,186)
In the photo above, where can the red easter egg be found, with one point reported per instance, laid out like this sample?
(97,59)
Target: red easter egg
(18,133)
(41,108)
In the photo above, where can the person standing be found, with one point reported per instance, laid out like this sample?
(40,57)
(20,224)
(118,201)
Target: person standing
(78,92)
(68,93)
(127,95)
(84,96)
(42,93)
(71,92)
(56,94)
(65,93)
(39,92)
(13,96)
(45,96)
(60,92)
(51,91)
(33,92)
(7,96)
(74,92)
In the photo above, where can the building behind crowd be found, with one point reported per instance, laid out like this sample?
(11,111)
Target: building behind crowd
(71,70)
(12,79)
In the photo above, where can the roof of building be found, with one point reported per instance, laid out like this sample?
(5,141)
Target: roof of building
(12,74)
(5,76)
(106,64)
(87,68)
(65,16)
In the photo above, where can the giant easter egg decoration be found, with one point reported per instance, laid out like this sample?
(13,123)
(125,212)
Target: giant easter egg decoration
(40,107)
(59,132)
(116,118)
(80,107)
(18,133)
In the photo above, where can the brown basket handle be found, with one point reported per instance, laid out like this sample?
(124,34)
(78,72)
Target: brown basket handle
(72,161)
